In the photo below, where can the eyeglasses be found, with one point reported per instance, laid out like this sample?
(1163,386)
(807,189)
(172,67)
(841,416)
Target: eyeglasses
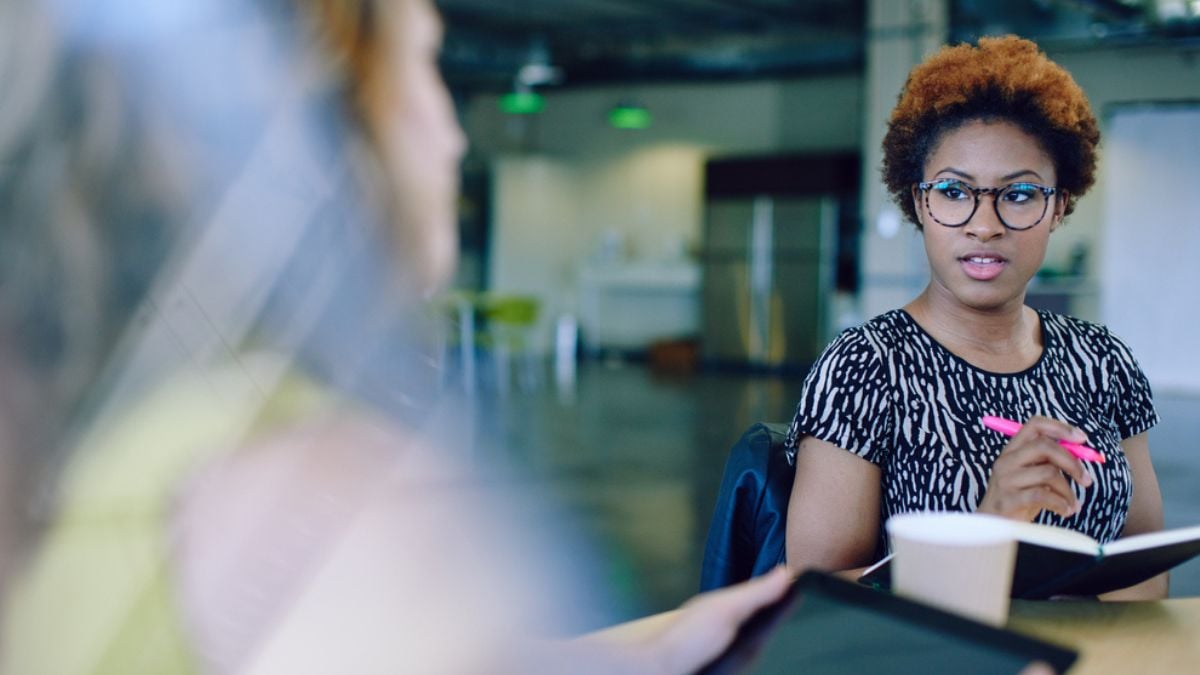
(953,203)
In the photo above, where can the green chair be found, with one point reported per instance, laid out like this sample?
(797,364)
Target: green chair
(507,337)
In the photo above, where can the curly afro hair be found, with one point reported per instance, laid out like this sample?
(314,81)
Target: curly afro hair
(1005,79)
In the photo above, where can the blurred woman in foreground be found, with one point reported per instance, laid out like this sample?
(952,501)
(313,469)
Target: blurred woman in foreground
(217,223)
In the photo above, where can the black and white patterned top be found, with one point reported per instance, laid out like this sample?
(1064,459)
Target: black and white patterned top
(890,393)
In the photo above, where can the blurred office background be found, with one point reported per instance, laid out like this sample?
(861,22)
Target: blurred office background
(670,206)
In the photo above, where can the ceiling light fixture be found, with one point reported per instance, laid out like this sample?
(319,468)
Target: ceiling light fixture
(535,72)
(522,101)
(630,115)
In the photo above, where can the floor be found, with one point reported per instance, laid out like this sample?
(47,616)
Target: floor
(634,458)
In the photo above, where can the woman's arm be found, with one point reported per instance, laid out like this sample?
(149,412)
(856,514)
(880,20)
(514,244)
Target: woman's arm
(1145,515)
(833,515)
(679,641)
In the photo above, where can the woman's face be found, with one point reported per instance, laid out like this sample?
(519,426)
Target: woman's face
(984,265)
(422,143)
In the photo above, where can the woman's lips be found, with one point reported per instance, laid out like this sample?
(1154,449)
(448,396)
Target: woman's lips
(982,266)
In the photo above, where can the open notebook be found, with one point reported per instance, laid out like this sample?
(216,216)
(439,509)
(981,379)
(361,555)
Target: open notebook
(1058,561)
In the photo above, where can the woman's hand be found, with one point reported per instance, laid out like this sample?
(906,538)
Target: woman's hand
(676,642)
(1031,473)
(705,625)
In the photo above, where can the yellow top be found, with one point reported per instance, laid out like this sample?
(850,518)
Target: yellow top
(98,595)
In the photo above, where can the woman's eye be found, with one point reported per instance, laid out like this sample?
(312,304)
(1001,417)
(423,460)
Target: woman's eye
(1018,195)
(952,191)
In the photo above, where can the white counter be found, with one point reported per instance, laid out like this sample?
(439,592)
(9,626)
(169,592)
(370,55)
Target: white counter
(631,305)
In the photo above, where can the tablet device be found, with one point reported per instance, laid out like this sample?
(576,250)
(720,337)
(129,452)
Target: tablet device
(826,625)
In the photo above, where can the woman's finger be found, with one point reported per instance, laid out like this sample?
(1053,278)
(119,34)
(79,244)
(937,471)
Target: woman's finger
(1041,497)
(1044,450)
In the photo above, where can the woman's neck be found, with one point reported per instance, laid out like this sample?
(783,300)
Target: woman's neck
(1005,338)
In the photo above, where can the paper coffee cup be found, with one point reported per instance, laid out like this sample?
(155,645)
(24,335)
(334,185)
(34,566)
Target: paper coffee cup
(960,562)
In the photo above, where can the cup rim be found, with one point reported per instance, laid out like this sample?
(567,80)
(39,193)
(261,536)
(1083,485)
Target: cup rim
(951,528)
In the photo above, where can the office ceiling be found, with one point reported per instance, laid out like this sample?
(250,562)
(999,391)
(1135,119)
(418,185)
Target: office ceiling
(596,41)
(583,42)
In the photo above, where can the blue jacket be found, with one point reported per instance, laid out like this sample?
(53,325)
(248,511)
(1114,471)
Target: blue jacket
(749,525)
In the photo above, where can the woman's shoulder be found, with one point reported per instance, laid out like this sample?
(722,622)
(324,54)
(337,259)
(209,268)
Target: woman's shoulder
(891,325)
(864,348)
(886,326)
(259,522)
(1072,330)
(878,335)
(1070,324)
(306,551)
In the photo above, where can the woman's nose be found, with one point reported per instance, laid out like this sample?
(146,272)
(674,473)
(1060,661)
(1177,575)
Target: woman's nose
(985,223)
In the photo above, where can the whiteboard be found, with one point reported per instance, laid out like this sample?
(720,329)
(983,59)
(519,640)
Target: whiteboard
(1150,252)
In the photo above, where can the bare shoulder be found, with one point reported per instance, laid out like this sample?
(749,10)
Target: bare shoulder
(282,485)
(252,532)
(341,545)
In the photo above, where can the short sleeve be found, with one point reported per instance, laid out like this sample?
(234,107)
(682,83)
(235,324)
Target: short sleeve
(1133,411)
(845,399)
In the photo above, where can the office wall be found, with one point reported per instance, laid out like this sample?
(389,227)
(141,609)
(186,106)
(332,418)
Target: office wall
(565,181)
(648,184)
(552,214)
(535,201)
(1151,238)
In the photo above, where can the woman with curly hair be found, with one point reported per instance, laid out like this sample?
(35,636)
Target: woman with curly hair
(986,152)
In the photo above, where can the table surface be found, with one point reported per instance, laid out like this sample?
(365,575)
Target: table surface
(1117,637)
(1111,637)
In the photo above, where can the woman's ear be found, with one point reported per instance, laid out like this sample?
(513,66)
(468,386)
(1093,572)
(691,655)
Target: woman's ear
(1060,209)
(916,201)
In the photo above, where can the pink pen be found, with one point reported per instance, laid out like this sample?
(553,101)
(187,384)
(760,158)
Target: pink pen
(1010,428)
